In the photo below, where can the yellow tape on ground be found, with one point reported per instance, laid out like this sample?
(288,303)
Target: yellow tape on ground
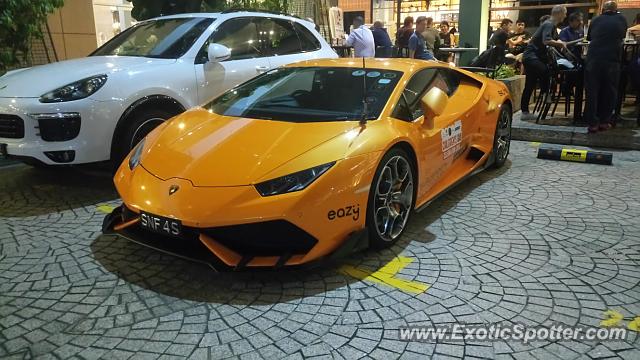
(386,275)
(612,319)
(107,209)
(634,325)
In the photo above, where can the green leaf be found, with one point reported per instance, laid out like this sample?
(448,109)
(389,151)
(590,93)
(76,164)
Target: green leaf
(21,21)
(505,71)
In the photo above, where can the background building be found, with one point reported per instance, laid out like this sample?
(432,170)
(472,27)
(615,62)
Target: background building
(80,26)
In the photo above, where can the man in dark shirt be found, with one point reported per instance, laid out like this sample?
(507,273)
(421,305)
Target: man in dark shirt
(403,35)
(417,45)
(499,41)
(501,36)
(381,40)
(602,68)
(536,59)
(573,32)
(519,38)
(574,81)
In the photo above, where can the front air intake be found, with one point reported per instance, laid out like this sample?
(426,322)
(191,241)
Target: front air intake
(269,238)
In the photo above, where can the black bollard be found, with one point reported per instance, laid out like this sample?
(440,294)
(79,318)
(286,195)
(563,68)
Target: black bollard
(585,156)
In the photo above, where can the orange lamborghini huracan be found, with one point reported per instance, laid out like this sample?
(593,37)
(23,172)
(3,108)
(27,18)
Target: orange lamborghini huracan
(310,161)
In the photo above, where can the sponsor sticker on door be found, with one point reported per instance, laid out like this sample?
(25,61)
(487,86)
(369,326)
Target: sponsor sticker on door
(451,139)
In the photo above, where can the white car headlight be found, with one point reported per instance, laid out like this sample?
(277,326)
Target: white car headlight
(134,159)
(292,182)
(76,90)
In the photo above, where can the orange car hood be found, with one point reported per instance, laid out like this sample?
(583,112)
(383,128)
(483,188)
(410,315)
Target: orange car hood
(214,150)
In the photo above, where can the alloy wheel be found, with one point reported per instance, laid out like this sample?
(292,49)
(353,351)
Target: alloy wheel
(393,198)
(503,136)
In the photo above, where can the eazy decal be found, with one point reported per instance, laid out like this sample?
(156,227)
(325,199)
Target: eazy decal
(451,139)
(353,211)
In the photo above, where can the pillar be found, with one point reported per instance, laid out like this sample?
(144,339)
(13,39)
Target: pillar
(473,26)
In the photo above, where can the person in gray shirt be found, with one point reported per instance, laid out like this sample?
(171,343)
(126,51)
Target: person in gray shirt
(431,36)
(536,60)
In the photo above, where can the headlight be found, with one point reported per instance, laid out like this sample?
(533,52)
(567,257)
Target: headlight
(75,91)
(292,182)
(134,159)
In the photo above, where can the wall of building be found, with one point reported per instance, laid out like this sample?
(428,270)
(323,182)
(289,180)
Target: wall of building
(73,29)
(357,5)
(111,17)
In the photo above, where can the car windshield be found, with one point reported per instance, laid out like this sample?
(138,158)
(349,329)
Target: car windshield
(167,38)
(310,94)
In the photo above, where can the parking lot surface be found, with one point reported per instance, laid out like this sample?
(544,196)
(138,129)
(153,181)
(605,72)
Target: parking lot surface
(536,242)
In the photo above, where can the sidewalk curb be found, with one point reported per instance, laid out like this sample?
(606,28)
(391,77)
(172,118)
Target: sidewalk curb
(619,138)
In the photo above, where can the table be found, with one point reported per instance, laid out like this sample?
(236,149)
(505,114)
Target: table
(456,51)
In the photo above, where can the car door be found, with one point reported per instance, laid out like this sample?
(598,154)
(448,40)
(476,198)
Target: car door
(440,138)
(248,58)
(450,133)
(281,41)
(464,94)
(450,125)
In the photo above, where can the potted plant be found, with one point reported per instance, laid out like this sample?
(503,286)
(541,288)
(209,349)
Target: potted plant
(514,82)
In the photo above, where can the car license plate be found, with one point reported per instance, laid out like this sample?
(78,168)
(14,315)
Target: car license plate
(3,150)
(160,224)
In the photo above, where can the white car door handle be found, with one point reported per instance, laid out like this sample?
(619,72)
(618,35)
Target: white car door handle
(262,69)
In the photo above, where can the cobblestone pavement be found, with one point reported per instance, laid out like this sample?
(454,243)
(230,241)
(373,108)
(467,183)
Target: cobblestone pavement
(535,242)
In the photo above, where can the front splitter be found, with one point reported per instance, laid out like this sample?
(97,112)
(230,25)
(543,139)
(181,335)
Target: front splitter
(191,248)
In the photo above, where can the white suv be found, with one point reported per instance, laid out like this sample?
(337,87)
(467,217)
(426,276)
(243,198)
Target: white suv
(96,108)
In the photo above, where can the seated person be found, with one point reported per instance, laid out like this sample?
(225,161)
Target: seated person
(519,38)
(573,32)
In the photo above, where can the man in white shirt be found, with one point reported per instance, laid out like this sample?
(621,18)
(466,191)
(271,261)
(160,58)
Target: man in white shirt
(361,38)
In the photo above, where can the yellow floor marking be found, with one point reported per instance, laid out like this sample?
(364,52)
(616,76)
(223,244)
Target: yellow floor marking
(634,325)
(107,209)
(612,319)
(386,275)
(534,143)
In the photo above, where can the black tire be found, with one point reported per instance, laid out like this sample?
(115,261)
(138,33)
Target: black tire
(502,137)
(138,125)
(378,206)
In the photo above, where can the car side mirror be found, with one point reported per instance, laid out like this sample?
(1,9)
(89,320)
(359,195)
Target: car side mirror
(434,102)
(217,52)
